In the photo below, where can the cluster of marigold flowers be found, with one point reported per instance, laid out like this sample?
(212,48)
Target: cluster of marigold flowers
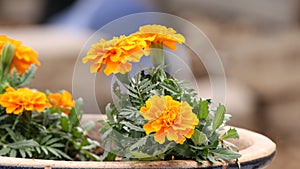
(167,118)
(118,53)
(19,100)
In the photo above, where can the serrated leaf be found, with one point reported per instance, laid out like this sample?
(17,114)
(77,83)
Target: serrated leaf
(211,158)
(51,141)
(13,153)
(38,150)
(231,133)
(109,112)
(218,117)
(231,145)
(28,152)
(108,156)
(199,138)
(45,139)
(53,151)
(73,118)
(133,95)
(27,77)
(57,145)
(23,144)
(64,122)
(63,154)
(203,110)
(22,152)
(131,126)
(44,149)
(3,117)
(91,155)
(11,134)
(138,154)
(4,151)
(139,143)
(226,154)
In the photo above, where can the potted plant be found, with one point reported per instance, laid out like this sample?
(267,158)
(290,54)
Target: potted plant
(156,122)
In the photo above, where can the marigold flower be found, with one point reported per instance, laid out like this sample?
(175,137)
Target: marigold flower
(169,118)
(161,34)
(23,56)
(16,101)
(115,54)
(62,100)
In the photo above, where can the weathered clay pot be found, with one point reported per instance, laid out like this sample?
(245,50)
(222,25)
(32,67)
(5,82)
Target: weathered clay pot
(257,152)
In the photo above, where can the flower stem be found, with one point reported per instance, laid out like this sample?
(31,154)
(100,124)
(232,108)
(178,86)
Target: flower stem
(157,54)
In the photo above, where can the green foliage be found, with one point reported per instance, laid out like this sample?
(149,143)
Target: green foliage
(123,132)
(16,80)
(47,135)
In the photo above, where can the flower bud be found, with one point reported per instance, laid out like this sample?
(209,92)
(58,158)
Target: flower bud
(6,58)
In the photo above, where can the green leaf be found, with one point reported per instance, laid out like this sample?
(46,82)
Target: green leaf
(28,152)
(13,153)
(11,134)
(211,158)
(109,112)
(226,154)
(199,138)
(73,118)
(231,133)
(44,149)
(27,77)
(64,122)
(63,154)
(3,117)
(218,118)
(45,139)
(53,151)
(57,145)
(22,152)
(203,109)
(38,150)
(4,151)
(23,144)
(91,155)
(53,140)
(231,145)
(108,156)
(131,126)
(139,143)
(138,154)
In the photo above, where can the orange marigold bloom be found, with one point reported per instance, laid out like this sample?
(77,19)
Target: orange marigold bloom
(169,118)
(116,54)
(16,101)
(161,34)
(62,100)
(23,56)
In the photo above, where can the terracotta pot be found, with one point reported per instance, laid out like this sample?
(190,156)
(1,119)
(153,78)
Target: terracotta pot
(257,152)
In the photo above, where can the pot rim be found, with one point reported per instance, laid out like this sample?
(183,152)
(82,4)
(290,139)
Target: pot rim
(257,149)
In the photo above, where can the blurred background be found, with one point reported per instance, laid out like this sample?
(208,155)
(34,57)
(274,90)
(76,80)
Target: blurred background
(258,42)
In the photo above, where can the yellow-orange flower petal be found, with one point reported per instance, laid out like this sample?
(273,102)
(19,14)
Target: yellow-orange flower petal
(169,119)
(161,34)
(115,54)
(62,100)
(23,56)
(17,101)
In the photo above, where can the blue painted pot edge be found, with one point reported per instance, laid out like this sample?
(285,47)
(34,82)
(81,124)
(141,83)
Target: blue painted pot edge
(257,163)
